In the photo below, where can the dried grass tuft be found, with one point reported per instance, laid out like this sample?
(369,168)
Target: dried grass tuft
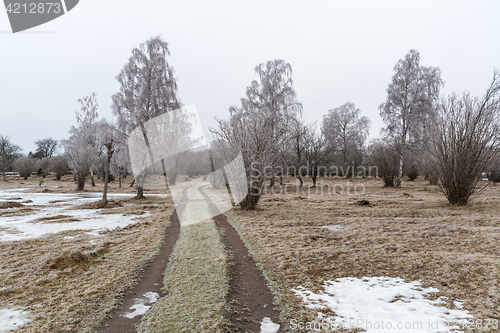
(10,204)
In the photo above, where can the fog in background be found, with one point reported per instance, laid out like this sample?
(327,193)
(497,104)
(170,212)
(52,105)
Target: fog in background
(339,51)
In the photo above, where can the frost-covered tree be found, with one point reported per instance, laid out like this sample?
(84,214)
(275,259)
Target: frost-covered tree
(25,166)
(9,152)
(120,163)
(260,127)
(81,147)
(148,89)
(346,131)
(384,154)
(59,165)
(409,104)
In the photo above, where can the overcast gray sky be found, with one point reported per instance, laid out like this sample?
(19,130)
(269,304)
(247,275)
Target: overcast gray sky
(340,51)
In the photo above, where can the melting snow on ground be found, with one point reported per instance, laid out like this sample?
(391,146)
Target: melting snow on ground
(332,227)
(15,228)
(12,319)
(380,304)
(267,326)
(140,306)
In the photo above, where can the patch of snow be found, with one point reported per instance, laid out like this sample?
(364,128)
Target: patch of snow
(332,227)
(26,226)
(140,306)
(267,326)
(380,304)
(11,319)
(43,199)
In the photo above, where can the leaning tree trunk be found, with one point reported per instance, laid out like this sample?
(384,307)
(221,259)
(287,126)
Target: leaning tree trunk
(92,177)
(255,187)
(4,176)
(299,177)
(250,201)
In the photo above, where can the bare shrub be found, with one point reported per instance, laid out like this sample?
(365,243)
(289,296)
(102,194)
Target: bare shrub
(465,141)
(59,165)
(45,165)
(385,157)
(25,166)
(494,170)
(410,166)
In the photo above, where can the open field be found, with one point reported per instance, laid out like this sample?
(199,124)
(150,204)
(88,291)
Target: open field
(411,233)
(71,280)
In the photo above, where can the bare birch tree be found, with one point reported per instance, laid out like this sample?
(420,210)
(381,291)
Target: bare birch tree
(148,89)
(410,98)
(260,127)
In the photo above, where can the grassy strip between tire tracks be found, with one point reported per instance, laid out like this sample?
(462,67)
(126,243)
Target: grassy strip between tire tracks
(197,284)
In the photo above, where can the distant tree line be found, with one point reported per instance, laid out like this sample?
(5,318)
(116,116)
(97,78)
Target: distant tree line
(452,141)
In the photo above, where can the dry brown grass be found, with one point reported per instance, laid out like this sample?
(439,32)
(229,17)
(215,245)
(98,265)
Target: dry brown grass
(409,232)
(70,281)
(10,204)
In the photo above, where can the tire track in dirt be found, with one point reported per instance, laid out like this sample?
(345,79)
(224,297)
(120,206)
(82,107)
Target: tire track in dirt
(249,296)
(151,280)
